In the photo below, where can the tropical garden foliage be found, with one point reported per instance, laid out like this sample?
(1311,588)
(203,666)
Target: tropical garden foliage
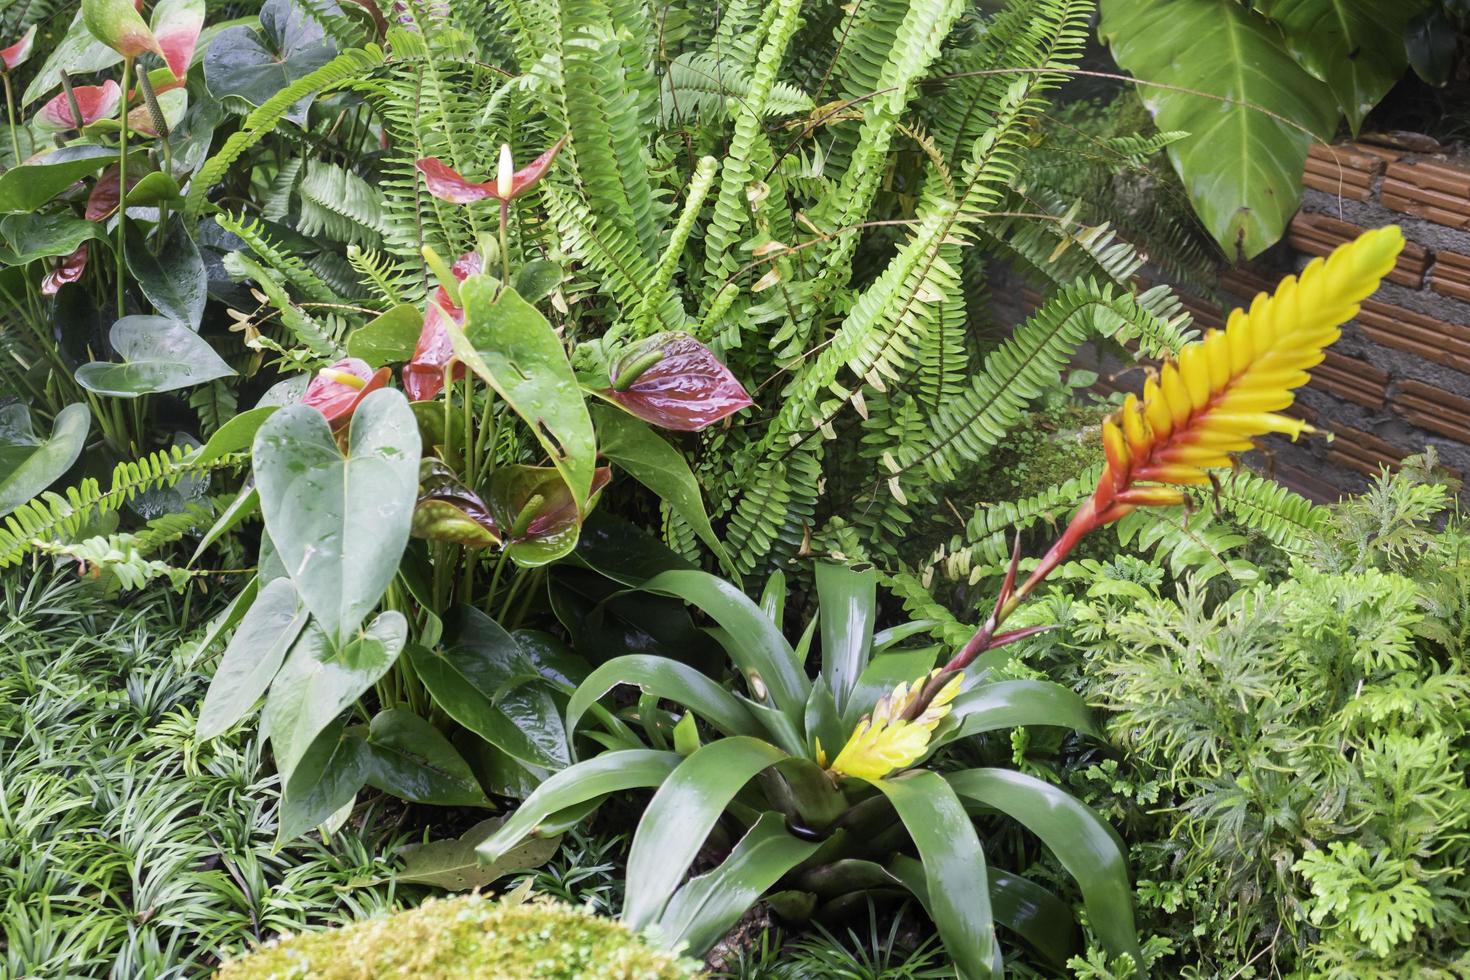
(569,448)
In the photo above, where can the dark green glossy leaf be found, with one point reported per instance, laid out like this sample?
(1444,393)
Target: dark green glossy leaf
(1087,847)
(509,344)
(611,772)
(453,865)
(680,817)
(848,605)
(412,759)
(252,658)
(624,552)
(478,678)
(707,907)
(319,681)
(159,354)
(1430,41)
(331,771)
(389,338)
(648,458)
(254,65)
(954,867)
(340,523)
(1009,704)
(173,280)
(28,237)
(551,659)
(755,643)
(30,464)
(25,188)
(155,189)
(667,679)
(500,773)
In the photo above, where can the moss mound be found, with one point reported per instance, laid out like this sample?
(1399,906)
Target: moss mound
(465,937)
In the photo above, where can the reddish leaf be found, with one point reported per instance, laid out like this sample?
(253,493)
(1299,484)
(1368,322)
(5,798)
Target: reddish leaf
(337,398)
(685,389)
(70,270)
(95,101)
(446,183)
(102,201)
(15,55)
(423,375)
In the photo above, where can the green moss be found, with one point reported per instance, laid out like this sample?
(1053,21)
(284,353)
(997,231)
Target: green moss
(468,936)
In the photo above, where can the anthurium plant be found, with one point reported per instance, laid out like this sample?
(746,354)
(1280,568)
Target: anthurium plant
(825,781)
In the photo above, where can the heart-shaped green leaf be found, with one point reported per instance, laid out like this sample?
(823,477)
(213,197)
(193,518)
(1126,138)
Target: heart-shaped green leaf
(78,52)
(254,65)
(25,188)
(412,759)
(174,279)
(159,354)
(252,658)
(319,681)
(28,237)
(339,522)
(30,464)
(508,343)
(330,773)
(387,339)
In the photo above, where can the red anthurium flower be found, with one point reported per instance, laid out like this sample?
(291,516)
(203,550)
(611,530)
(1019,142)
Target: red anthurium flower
(14,56)
(336,391)
(446,184)
(675,382)
(534,511)
(176,26)
(95,102)
(70,270)
(423,375)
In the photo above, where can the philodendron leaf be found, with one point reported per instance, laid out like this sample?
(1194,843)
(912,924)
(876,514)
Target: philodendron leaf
(174,279)
(253,65)
(319,681)
(1242,167)
(252,658)
(26,187)
(30,464)
(453,865)
(159,354)
(508,343)
(339,522)
(650,460)
(412,759)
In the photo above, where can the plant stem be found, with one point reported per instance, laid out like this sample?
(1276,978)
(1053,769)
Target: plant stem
(10,111)
(122,189)
(505,242)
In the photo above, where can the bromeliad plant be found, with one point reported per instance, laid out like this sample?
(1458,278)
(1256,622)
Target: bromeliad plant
(824,778)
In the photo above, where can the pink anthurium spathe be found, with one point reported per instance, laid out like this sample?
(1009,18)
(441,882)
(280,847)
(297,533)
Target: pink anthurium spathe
(176,27)
(336,391)
(675,382)
(70,270)
(117,24)
(423,375)
(94,101)
(102,201)
(14,56)
(445,183)
(535,513)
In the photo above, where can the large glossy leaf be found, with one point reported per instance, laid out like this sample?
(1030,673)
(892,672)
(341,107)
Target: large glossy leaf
(78,52)
(1241,167)
(253,65)
(173,279)
(479,678)
(28,237)
(412,759)
(705,908)
(1009,704)
(329,774)
(25,188)
(30,464)
(319,681)
(252,658)
(1087,847)
(508,343)
(680,817)
(954,867)
(611,772)
(848,604)
(339,522)
(159,354)
(1355,46)
(388,338)
(649,459)
(664,678)
(453,865)
(755,643)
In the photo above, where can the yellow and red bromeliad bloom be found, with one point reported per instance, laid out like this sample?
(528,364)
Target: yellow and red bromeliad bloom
(1224,391)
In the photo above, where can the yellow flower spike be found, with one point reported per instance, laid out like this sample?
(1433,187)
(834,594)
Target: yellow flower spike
(884,741)
(1225,390)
